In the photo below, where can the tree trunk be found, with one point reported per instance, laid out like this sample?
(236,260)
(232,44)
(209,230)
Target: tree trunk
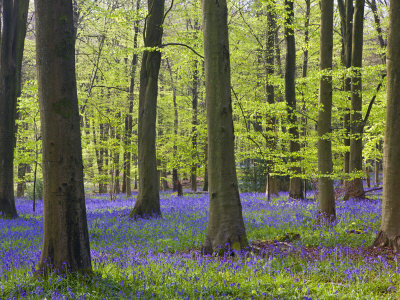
(347,12)
(225,229)
(326,197)
(21,185)
(126,181)
(295,188)
(66,239)
(148,201)
(271,186)
(205,185)
(389,235)
(195,97)
(176,126)
(354,187)
(378,27)
(11,51)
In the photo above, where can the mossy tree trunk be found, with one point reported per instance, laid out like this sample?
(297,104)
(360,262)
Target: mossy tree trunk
(14,14)
(389,234)
(225,226)
(66,238)
(326,196)
(148,201)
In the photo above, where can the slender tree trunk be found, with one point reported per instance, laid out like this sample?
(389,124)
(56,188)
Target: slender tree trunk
(304,75)
(346,12)
(126,181)
(195,97)
(326,197)
(225,226)
(377,165)
(271,186)
(148,201)
(378,27)
(21,180)
(205,185)
(295,189)
(176,126)
(354,187)
(14,13)
(389,234)
(66,238)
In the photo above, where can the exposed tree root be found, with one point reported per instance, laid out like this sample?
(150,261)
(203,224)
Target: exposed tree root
(382,240)
(227,246)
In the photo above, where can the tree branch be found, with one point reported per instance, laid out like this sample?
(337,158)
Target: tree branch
(183,45)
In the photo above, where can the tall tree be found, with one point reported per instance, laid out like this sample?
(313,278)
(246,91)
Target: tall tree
(225,225)
(126,182)
(389,234)
(66,238)
(346,10)
(354,188)
(148,201)
(295,189)
(326,197)
(272,183)
(14,14)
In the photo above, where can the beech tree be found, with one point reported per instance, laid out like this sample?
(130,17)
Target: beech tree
(354,188)
(295,190)
(389,234)
(148,200)
(14,16)
(326,197)
(66,239)
(225,226)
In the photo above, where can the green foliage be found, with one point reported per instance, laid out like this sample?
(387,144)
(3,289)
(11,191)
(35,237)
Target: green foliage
(38,190)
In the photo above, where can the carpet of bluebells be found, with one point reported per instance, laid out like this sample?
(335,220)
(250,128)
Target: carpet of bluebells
(161,258)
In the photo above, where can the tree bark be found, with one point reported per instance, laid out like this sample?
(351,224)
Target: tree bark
(126,181)
(354,187)
(326,196)
(195,97)
(225,230)
(346,13)
(271,185)
(148,201)
(176,126)
(12,46)
(378,27)
(66,239)
(295,188)
(389,235)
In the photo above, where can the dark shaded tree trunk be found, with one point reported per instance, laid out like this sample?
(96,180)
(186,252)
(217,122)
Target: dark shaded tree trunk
(346,13)
(326,197)
(354,187)
(271,182)
(21,185)
(378,27)
(295,188)
(66,239)
(148,201)
(195,97)
(389,234)
(205,185)
(225,228)
(14,14)
(176,126)
(126,181)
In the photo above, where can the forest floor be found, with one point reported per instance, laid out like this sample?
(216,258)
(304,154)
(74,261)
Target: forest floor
(293,257)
